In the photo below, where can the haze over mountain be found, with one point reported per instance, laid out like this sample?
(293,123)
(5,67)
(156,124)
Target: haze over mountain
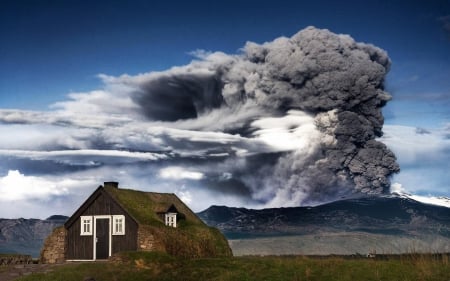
(382,224)
(26,236)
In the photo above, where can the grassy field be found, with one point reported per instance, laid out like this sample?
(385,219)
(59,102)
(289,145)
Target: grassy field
(154,266)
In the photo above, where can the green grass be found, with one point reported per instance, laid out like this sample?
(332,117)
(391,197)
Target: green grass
(143,206)
(139,266)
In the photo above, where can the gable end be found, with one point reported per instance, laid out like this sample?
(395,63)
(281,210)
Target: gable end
(99,191)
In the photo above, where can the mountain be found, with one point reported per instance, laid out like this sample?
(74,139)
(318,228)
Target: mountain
(389,224)
(26,236)
(433,200)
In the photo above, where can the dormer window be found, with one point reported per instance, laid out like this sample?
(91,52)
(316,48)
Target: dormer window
(170,216)
(171,219)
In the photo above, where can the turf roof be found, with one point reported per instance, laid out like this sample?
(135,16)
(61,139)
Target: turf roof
(144,206)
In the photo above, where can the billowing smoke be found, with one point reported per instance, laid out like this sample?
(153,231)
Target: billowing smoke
(332,78)
(289,122)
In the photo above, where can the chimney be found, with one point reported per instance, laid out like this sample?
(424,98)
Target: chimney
(113,184)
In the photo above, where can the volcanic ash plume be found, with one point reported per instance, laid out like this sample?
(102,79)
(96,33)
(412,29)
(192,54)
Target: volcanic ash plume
(331,78)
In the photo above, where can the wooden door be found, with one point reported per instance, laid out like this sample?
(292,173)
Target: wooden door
(102,235)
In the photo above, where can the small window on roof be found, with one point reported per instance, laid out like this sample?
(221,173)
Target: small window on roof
(171,219)
(86,225)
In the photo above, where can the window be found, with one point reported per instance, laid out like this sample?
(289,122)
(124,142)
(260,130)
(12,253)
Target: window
(86,225)
(118,225)
(171,219)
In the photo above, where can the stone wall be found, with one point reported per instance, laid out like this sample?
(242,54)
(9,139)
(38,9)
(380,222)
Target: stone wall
(146,239)
(54,246)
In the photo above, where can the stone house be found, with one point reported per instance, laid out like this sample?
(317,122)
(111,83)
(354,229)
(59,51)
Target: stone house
(113,220)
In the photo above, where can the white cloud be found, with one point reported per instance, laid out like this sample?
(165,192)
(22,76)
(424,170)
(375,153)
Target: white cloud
(95,102)
(67,154)
(98,119)
(16,186)
(184,194)
(42,196)
(195,136)
(37,136)
(423,158)
(294,131)
(412,147)
(25,117)
(221,119)
(178,173)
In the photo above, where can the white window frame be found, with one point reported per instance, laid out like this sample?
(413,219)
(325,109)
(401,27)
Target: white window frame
(171,219)
(86,221)
(115,230)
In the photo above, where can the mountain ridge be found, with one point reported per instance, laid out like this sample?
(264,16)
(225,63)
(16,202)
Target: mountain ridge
(390,223)
(342,214)
(26,236)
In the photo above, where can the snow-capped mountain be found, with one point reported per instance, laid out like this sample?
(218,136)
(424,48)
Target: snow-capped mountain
(397,190)
(386,224)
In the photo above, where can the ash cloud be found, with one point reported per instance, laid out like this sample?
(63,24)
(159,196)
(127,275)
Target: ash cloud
(289,122)
(337,81)
(176,97)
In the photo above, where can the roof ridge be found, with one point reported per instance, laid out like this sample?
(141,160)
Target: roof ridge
(145,206)
(142,191)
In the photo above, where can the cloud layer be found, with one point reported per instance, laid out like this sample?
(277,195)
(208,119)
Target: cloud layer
(284,123)
(424,155)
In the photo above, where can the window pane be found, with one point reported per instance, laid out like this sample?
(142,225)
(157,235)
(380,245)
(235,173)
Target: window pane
(86,225)
(118,225)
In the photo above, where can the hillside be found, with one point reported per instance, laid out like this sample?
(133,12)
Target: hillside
(26,236)
(145,266)
(383,224)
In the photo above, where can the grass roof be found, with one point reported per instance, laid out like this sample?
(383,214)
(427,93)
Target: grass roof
(144,206)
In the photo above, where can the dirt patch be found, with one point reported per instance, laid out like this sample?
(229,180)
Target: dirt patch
(12,272)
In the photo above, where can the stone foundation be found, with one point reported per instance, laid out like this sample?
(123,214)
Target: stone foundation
(54,247)
(146,239)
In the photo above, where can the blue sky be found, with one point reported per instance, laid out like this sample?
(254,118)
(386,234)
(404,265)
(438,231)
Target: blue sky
(50,49)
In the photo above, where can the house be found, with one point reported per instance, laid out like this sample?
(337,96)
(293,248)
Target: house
(114,219)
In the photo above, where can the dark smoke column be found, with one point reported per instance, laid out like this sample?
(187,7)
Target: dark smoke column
(334,81)
(341,83)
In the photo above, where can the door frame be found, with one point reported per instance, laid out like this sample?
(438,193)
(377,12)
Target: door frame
(95,235)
